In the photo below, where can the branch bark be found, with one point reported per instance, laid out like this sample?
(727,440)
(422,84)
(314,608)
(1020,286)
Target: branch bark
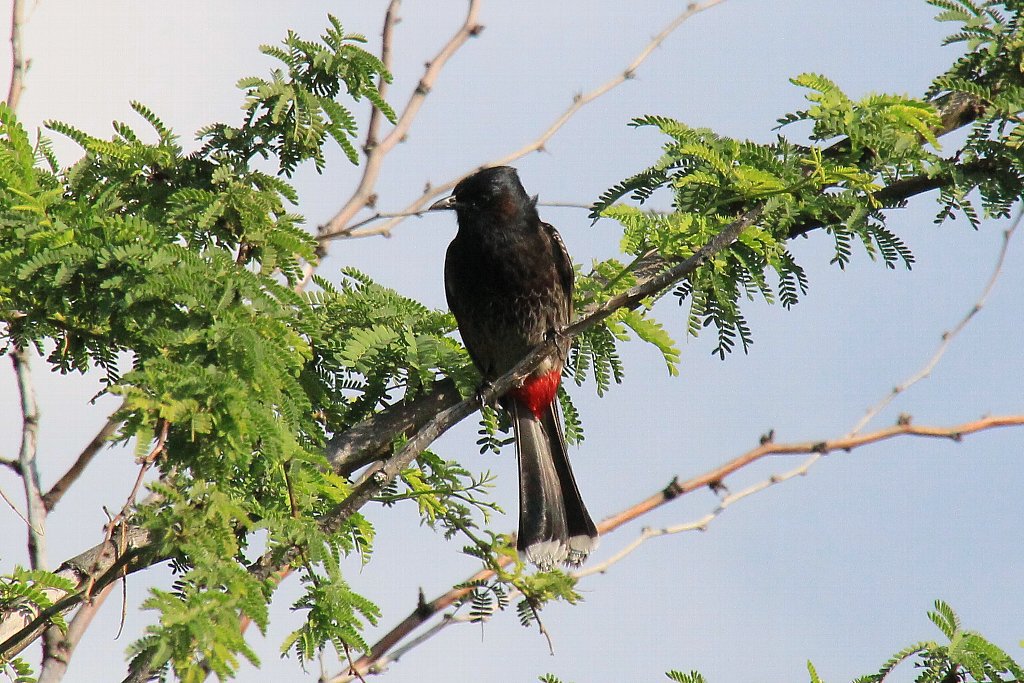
(35,509)
(18,63)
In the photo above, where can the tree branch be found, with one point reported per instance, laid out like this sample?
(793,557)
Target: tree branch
(390,19)
(337,228)
(55,666)
(714,478)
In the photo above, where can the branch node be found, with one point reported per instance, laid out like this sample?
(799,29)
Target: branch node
(672,490)
(422,608)
(903,420)
(820,447)
(718,487)
(475,30)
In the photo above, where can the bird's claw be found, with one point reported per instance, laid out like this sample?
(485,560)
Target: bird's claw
(481,392)
(556,336)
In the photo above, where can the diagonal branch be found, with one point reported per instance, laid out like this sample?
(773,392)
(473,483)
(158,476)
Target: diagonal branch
(337,228)
(947,336)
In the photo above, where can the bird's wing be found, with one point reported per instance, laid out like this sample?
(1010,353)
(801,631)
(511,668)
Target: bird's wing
(563,265)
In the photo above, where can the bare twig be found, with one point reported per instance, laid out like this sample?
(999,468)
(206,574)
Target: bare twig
(18,63)
(337,228)
(58,490)
(947,336)
(36,510)
(390,19)
(376,152)
(424,611)
(117,521)
(11,504)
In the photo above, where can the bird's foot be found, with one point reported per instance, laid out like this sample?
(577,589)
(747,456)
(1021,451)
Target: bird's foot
(556,336)
(481,393)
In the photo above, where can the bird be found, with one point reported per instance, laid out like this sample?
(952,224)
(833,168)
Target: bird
(509,283)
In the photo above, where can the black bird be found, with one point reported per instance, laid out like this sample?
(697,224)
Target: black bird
(509,282)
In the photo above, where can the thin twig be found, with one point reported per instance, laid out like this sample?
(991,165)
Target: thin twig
(337,228)
(13,506)
(390,19)
(117,521)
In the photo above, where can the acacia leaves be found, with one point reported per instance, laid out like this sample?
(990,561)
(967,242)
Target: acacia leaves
(860,158)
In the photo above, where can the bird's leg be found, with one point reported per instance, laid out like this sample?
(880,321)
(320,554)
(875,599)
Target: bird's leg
(481,391)
(556,336)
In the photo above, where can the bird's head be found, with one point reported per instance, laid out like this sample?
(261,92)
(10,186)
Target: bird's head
(492,192)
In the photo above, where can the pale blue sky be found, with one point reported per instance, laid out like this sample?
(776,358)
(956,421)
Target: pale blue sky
(838,567)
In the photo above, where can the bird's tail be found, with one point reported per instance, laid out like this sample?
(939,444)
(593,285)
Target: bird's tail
(554,525)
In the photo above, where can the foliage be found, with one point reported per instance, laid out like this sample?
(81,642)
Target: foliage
(967,657)
(178,275)
(861,157)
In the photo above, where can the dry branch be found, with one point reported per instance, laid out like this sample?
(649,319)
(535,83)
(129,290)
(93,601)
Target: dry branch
(675,489)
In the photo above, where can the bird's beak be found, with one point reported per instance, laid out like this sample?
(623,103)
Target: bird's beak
(446,203)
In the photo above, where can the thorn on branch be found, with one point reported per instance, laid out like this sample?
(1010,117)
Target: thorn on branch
(768,437)
(903,420)
(672,490)
(475,30)
(422,608)
(718,487)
